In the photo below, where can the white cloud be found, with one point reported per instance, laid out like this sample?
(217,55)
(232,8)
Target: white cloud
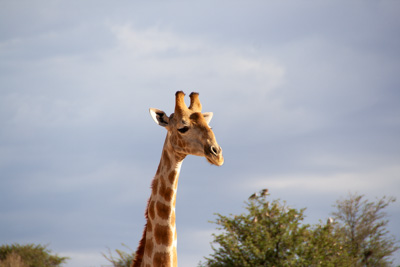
(164,54)
(108,84)
(151,42)
(383,181)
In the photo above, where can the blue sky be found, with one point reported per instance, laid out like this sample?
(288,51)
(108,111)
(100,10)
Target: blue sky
(305,99)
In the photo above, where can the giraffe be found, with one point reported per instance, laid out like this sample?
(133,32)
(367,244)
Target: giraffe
(188,133)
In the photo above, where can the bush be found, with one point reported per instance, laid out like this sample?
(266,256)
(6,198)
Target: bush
(29,255)
(123,259)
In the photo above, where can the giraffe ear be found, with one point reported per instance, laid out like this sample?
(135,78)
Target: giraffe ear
(159,117)
(208,116)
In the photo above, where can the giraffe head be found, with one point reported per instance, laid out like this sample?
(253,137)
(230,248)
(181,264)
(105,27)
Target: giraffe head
(188,129)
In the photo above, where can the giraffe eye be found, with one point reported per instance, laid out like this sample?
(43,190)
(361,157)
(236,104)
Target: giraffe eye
(184,129)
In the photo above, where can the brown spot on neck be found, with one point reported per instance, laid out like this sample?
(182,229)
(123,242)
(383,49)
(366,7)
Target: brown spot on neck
(161,259)
(149,247)
(163,211)
(169,193)
(154,186)
(171,176)
(149,226)
(162,188)
(163,235)
(151,210)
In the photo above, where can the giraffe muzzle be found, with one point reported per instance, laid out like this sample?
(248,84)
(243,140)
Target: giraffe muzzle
(214,155)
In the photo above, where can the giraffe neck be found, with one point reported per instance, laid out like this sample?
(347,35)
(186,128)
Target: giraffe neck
(160,237)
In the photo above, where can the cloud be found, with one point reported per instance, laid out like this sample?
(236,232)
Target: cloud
(85,87)
(166,55)
(335,182)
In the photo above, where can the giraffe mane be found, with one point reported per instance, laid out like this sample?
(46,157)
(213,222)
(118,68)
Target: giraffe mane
(137,261)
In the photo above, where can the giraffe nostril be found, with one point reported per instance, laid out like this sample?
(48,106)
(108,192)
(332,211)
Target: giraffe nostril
(214,150)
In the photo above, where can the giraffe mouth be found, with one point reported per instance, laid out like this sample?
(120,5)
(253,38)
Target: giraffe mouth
(218,162)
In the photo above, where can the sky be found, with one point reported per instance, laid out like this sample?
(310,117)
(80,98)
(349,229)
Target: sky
(305,98)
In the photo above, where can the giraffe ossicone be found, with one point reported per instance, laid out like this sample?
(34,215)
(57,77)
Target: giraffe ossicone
(188,133)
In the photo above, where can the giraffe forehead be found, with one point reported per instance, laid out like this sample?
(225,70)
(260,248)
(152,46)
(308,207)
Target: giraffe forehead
(197,117)
(187,117)
(201,124)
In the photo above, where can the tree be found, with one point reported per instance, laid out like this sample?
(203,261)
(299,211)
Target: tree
(325,247)
(270,233)
(28,255)
(364,224)
(124,259)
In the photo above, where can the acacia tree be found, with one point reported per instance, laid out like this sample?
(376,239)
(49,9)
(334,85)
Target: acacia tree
(270,233)
(266,234)
(364,224)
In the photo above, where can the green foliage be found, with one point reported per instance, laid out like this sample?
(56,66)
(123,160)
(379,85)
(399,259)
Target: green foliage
(28,255)
(124,259)
(324,247)
(364,223)
(270,233)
